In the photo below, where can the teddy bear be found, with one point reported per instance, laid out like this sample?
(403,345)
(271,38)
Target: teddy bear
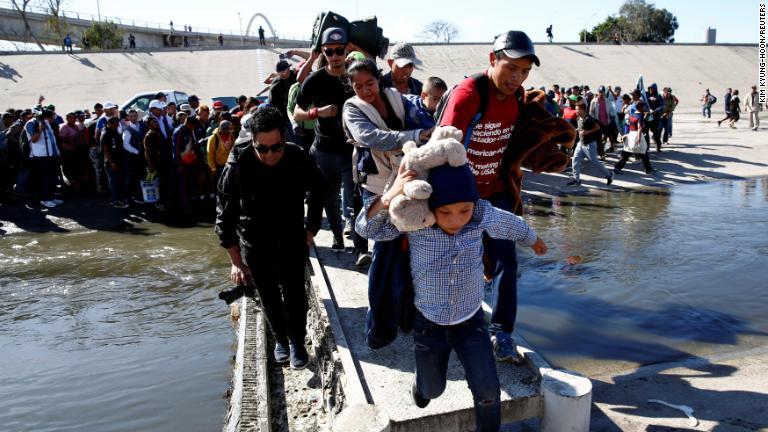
(410,211)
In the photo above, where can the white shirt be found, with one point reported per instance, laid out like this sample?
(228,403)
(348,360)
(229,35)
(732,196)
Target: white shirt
(45,145)
(127,137)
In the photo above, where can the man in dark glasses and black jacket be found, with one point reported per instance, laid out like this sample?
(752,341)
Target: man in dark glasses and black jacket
(260,221)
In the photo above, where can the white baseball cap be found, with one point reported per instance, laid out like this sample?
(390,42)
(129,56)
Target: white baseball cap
(156,103)
(108,105)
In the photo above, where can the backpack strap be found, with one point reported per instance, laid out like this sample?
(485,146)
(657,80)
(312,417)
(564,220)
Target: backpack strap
(481,81)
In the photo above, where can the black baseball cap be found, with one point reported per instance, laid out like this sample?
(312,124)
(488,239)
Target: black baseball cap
(333,35)
(282,65)
(515,44)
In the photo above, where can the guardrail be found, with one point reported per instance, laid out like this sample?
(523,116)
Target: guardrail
(165,27)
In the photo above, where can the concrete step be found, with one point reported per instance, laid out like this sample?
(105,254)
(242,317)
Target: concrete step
(385,375)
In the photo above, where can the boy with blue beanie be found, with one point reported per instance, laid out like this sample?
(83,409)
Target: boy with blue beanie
(447,269)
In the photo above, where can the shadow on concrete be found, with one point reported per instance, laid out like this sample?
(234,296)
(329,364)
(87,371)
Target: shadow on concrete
(85,62)
(629,395)
(584,53)
(92,213)
(8,72)
(672,167)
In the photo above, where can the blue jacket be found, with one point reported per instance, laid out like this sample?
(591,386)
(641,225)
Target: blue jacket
(418,115)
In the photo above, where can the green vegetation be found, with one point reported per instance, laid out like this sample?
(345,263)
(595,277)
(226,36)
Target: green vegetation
(637,21)
(104,35)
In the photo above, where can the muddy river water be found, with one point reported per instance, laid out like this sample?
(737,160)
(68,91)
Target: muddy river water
(122,331)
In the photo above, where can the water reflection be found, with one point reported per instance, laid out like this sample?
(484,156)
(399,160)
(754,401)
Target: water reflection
(663,276)
(108,331)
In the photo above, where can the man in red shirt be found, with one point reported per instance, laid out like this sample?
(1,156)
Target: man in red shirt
(511,61)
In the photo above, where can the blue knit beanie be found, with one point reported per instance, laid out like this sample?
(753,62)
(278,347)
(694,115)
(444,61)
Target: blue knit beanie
(451,185)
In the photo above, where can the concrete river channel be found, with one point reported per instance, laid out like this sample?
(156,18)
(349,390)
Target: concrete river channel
(122,330)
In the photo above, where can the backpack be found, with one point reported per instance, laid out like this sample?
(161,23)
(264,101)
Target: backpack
(481,81)
(712,99)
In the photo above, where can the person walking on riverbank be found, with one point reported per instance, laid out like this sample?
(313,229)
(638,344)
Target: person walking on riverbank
(753,107)
(589,138)
(260,222)
(635,142)
(734,110)
(707,101)
(487,131)
(325,91)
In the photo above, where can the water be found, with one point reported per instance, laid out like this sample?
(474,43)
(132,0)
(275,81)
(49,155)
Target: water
(122,331)
(102,331)
(663,276)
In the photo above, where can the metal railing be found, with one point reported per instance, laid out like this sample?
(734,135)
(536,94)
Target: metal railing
(165,27)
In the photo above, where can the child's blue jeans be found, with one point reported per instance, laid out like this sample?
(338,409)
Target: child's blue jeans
(432,347)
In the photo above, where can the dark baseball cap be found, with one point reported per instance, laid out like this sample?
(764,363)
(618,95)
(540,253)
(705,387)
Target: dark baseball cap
(515,44)
(333,35)
(193,98)
(282,65)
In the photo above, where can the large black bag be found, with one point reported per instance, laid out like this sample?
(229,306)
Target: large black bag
(325,20)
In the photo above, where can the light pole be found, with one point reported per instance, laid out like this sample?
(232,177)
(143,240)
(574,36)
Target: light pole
(240,21)
(585,27)
(98,9)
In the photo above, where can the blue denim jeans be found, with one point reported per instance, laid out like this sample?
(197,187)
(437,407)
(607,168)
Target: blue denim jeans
(432,346)
(337,173)
(503,255)
(590,151)
(665,128)
(706,111)
(117,182)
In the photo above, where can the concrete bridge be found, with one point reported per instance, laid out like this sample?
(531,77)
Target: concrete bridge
(148,35)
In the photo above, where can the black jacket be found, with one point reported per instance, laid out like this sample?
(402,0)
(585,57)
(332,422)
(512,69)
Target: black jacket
(260,206)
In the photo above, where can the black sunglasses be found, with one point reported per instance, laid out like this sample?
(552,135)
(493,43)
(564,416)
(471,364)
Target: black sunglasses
(275,148)
(339,51)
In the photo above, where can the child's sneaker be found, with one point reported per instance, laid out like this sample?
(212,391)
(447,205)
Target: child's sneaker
(418,399)
(504,349)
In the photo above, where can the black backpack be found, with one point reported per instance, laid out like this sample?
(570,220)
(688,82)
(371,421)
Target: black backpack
(481,83)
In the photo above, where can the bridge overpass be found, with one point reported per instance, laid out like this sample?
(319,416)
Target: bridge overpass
(148,35)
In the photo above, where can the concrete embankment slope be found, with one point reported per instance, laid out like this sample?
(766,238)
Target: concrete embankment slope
(79,80)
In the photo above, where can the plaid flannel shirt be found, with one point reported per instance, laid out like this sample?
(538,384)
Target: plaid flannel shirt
(447,270)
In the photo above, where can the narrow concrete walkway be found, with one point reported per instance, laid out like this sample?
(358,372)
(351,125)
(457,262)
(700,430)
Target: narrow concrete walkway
(386,374)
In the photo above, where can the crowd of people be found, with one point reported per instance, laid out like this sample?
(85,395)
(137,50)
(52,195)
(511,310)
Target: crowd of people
(181,148)
(330,139)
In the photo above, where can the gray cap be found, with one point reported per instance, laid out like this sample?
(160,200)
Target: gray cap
(333,35)
(403,54)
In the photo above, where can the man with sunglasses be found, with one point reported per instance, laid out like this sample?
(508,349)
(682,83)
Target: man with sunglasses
(260,221)
(326,90)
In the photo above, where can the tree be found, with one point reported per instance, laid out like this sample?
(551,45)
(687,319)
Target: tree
(609,29)
(637,21)
(439,31)
(21,8)
(104,35)
(56,25)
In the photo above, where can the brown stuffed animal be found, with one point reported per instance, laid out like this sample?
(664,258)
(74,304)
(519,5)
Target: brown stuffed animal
(534,145)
